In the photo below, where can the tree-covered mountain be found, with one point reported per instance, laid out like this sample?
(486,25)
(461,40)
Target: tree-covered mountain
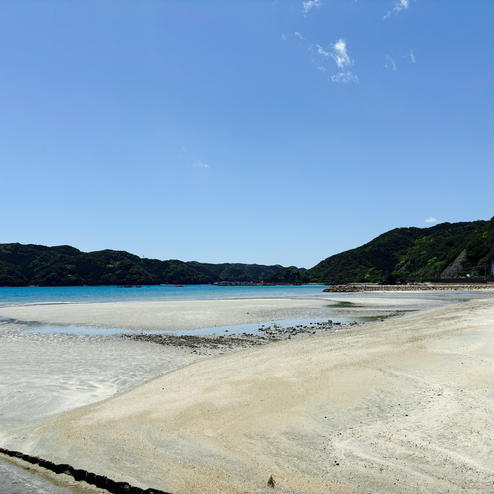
(64,265)
(444,251)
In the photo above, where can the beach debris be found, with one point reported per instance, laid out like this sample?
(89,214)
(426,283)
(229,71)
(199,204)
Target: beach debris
(271,482)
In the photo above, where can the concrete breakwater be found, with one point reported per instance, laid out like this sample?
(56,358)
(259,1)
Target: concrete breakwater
(99,481)
(408,288)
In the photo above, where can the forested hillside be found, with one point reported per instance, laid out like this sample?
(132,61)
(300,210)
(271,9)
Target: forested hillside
(444,251)
(63,265)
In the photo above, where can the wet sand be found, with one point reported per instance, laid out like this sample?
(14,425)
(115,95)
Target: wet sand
(18,477)
(166,315)
(404,405)
(195,314)
(41,375)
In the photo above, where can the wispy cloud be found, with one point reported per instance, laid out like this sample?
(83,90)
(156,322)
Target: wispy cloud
(398,7)
(201,164)
(322,56)
(283,37)
(321,50)
(344,77)
(308,5)
(390,64)
(412,56)
(431,220)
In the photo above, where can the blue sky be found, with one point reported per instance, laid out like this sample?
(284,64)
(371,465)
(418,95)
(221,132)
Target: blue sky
(247,131)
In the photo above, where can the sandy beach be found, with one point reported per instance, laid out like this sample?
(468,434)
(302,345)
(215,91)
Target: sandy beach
(247,247)
(403,405)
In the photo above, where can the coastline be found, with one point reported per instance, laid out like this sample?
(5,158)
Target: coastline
(269,402)
(171,315)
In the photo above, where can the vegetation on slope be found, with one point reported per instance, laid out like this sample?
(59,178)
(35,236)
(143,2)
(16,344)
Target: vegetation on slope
(413,254)
(447,250)
(64,265)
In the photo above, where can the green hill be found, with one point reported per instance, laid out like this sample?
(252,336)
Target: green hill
(22,265)
(444,251)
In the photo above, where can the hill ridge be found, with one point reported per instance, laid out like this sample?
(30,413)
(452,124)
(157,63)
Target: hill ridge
(446,250)
(413,254)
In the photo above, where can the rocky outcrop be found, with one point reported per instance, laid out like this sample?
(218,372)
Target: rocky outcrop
(455,267)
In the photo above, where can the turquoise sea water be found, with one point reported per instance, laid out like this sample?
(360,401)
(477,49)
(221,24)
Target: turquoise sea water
(28,294)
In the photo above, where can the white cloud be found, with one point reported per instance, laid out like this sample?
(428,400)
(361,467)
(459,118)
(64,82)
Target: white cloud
(390,64)
(398,7)
(340,55)
(431,220)
(322,51)
(283,37)
(321,57)
(308,5)
(344,77)
(412,56)
(201,164)
(401,5)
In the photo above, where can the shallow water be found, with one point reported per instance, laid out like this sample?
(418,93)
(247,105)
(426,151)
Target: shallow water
(251,328)
(16,480)
(350,303)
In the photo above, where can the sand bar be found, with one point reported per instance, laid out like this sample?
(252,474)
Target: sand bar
(168,315)
(404,405)
(195,314)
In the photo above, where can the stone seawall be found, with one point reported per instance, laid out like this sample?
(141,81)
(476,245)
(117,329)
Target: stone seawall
(408,288)
(82,475)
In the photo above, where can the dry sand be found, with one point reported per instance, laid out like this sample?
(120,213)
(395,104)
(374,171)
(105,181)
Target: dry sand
(401,406)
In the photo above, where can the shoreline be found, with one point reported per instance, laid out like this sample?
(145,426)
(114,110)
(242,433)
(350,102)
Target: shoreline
(79,475)
(169,315)
(380,390)
(247,284)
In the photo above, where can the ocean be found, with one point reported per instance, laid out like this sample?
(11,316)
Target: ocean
(35,294)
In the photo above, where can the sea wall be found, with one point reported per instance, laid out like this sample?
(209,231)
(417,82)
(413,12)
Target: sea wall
(82,475)
(407,288)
